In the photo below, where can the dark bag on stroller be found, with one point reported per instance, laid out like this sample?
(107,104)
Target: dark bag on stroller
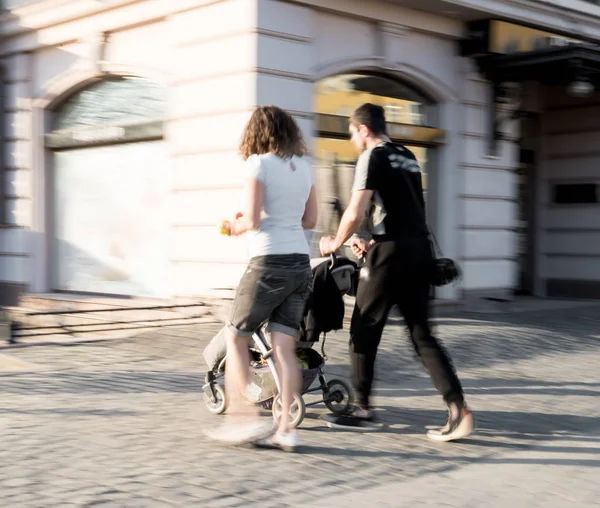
(325,308)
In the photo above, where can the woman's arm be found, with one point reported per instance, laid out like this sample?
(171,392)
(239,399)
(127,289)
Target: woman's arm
(255,202)
(309,219)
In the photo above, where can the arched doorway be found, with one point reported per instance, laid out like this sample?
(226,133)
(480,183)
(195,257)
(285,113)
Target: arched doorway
(110,184)
(411,116)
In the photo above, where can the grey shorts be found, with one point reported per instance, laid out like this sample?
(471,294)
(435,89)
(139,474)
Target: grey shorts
(274,288)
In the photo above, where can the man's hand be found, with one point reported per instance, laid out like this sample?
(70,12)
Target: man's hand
(327,245)
(360,247)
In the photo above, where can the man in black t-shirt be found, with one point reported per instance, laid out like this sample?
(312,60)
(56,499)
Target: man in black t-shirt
(397,270)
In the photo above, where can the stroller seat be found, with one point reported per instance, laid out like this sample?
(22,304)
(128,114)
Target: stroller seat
(343,274)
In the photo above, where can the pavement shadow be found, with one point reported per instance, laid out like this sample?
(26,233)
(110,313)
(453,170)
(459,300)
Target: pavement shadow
(500,386)
(513,425)
(451,461)
(498,424)
(488,340)
(498,433)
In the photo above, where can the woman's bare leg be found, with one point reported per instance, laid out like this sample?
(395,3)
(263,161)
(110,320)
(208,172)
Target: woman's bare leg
(289,372)
(237,369)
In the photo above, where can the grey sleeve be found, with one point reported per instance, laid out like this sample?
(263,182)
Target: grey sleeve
(364,173)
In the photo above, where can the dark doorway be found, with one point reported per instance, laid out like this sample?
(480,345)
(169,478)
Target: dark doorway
(526,198)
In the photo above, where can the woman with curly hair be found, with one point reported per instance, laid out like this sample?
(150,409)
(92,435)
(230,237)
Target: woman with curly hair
(280,204)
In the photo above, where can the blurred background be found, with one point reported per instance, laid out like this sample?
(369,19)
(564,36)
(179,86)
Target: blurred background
(121,120)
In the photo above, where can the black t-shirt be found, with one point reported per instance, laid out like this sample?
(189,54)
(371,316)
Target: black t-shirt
(396,211)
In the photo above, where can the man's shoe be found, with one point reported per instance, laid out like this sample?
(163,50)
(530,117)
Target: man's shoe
(459,425)
(356,420)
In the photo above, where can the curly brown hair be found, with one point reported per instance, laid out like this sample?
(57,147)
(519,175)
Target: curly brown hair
(272,130)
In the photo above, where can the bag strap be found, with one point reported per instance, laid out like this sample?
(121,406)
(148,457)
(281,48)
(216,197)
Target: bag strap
(436,246)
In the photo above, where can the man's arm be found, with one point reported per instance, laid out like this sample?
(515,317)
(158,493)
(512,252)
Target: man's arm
(362,192)
(351,219)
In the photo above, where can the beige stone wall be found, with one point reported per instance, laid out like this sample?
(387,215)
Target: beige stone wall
(268,52)
(569,234)
(472,197)
(211,100)
(210,69)
(219,59)
(17,191)
(488,196)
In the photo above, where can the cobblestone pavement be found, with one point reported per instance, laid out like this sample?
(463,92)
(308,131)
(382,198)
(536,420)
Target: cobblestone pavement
(119,423)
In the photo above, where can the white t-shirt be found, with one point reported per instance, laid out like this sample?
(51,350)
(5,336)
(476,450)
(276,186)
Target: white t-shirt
(287,186)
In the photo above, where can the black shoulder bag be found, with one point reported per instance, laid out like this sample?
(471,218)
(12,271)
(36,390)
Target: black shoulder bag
(445,270)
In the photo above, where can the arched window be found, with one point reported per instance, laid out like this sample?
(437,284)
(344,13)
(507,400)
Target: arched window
(339,95)
(411,117)
(112,102)
(114,110)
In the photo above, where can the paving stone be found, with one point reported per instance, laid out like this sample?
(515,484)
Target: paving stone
(121,422)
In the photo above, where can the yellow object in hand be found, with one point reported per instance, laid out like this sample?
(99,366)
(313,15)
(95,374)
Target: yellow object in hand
(225,228)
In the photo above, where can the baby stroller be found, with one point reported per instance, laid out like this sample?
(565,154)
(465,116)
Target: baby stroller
(264,385)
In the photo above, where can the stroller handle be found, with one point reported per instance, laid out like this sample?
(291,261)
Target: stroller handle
(333,261)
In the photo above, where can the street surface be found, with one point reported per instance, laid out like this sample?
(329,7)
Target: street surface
(119,423)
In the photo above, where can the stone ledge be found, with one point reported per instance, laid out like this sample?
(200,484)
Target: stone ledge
(72,316)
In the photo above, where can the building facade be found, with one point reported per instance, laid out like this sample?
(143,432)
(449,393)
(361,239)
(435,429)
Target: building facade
(121,120)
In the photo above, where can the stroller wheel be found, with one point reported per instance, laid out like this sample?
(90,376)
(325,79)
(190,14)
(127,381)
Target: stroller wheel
(217,405)
(297,410)
(340,396)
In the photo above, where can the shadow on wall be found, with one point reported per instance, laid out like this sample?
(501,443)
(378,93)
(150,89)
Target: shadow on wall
(17,191)
(119,273)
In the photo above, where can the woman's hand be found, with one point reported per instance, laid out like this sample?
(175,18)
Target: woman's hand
(235,225)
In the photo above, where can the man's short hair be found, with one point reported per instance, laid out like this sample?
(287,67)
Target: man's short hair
(372,116)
